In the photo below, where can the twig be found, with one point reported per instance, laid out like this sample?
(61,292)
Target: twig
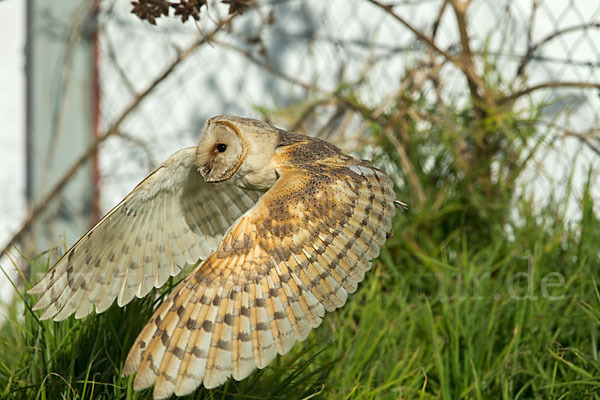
(585,138)
(547,85)
(459,62)
(140,143)
(413,84)
(476,86)
(264,65)
(407,167)
(120,71)
(438,20)
(308,112)
(36,210)
(527,57)
(532,48)
(420,35)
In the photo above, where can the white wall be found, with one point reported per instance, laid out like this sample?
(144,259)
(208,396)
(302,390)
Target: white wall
(12,126)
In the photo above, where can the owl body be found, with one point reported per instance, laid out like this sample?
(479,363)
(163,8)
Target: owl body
(286,226)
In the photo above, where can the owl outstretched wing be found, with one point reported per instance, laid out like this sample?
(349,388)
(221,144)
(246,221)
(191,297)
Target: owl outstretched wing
(170,219)
(297,253)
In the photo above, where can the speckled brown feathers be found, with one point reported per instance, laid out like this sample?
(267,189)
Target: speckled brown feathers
(274,263)
(298,253)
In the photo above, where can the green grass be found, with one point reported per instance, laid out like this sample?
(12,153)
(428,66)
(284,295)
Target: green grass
(480,294)
(434,319)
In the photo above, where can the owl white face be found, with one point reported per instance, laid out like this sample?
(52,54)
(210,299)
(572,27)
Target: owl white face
(238,149)
(220,152)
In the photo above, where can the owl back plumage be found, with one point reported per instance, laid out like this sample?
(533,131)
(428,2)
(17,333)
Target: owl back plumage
(298,253)
(273,262)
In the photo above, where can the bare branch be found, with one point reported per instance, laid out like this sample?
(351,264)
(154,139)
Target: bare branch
(559,32)
(420,35)
(438,19)
(308,112)
(407,167)
(120,71)
(585,138)
(476,86)
(475,82)
(141,144)
(530,26)
(547,85)
(267,67)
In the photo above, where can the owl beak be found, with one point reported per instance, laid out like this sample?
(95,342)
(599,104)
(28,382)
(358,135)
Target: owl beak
(205,170)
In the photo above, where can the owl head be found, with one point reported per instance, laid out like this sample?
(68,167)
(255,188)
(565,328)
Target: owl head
(235,147)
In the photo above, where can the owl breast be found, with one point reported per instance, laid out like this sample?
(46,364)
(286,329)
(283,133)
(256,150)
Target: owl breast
(261,180)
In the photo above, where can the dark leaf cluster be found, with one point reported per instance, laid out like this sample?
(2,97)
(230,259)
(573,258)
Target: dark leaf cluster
(237,6)
(151,10)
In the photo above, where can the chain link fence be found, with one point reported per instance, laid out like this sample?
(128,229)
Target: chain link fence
(286,60)
(285,53)
(332,69)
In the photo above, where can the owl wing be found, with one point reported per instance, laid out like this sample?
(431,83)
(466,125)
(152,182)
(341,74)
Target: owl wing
(170,219)
(296,254)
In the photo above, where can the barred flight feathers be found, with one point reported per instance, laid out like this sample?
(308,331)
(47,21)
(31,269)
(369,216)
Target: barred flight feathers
(171,219)
(286,225)
(297,253)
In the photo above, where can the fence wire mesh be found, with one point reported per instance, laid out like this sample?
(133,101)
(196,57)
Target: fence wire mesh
(333,68)
(286,60)
(282,53)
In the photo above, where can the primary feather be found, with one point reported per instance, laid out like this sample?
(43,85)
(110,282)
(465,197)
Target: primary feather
(171,219)
(273,262)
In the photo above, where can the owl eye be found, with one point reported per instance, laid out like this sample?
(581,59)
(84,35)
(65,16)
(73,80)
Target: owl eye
(221,147)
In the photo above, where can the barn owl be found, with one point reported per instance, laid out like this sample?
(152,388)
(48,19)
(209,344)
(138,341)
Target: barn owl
(282,228)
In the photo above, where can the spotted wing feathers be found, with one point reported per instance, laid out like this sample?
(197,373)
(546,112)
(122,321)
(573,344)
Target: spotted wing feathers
(298,253)
(171,219)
